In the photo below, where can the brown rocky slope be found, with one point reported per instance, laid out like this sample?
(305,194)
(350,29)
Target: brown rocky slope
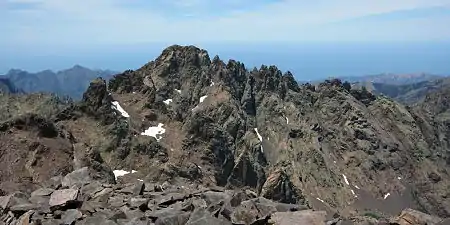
(328,147)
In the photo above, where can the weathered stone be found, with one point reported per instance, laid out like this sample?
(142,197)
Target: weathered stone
(42,192)
(278,187)
(91,189)
(246,213)
(118,215)
(51,222)
(63,197)
(15,199)
(77,178)
(70,216)
(25,219)
(21,208)
(132,213)
(136,221)
(54,182)
(116,201)
(140,203)
(299,218)
(96,220)
(414,217)
(103,193)
(212,197)
(87,207)
(170,198)
(203,217)
(154,215)
(177,219)
(138,188)
(4,201)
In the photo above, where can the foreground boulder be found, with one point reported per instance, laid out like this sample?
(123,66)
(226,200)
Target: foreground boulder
(170,204)
(64,197)
(414,217)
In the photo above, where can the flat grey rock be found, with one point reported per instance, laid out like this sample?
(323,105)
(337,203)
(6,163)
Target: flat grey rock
(77,178)
(62,197)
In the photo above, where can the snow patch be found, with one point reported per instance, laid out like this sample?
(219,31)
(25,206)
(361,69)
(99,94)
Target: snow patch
(287,120)
(179,91)
(320,200)
(399,178)
(257,133)
(203,98)
(212,83)
(386,195)
(119,108)
(168,101)
(140,180)
(353,192)
(260,138)
(345,179)
(334,162)
(356,186)
(155,132)
(120,173)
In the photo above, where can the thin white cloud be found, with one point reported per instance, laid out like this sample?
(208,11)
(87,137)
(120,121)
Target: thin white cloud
(88,23)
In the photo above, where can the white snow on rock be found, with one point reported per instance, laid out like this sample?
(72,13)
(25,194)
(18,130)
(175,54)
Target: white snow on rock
(356,186)
(155,132)
(399,178)
(140,180)
(287,120)
(119,108)
(260,138)
(119,173)
(168,101)
(203,98)
(353,192)
(212,83)
(179,91)
(257,133)
(320,200)
(345,179)
(386,195)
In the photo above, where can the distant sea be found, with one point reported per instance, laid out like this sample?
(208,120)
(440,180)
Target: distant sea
(308,61)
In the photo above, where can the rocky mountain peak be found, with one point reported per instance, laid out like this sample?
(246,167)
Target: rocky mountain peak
(182,119)
(184,55)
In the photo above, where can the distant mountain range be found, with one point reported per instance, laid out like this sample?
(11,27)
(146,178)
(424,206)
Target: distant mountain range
(6,86)
(393,79)
(70,82)
(404,88)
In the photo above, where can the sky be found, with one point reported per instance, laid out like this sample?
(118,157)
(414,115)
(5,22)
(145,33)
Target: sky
(74,30)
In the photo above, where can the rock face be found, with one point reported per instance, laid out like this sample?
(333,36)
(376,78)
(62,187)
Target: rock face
(409,217)
(186,119)
(32,151)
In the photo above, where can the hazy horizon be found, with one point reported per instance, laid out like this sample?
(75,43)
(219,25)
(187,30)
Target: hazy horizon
(307,61)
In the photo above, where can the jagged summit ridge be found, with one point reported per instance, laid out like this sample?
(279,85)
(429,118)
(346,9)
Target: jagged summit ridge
(304,129)
(329,147)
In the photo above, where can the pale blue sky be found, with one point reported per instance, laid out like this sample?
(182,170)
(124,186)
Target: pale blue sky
(75,23)
(76,27)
